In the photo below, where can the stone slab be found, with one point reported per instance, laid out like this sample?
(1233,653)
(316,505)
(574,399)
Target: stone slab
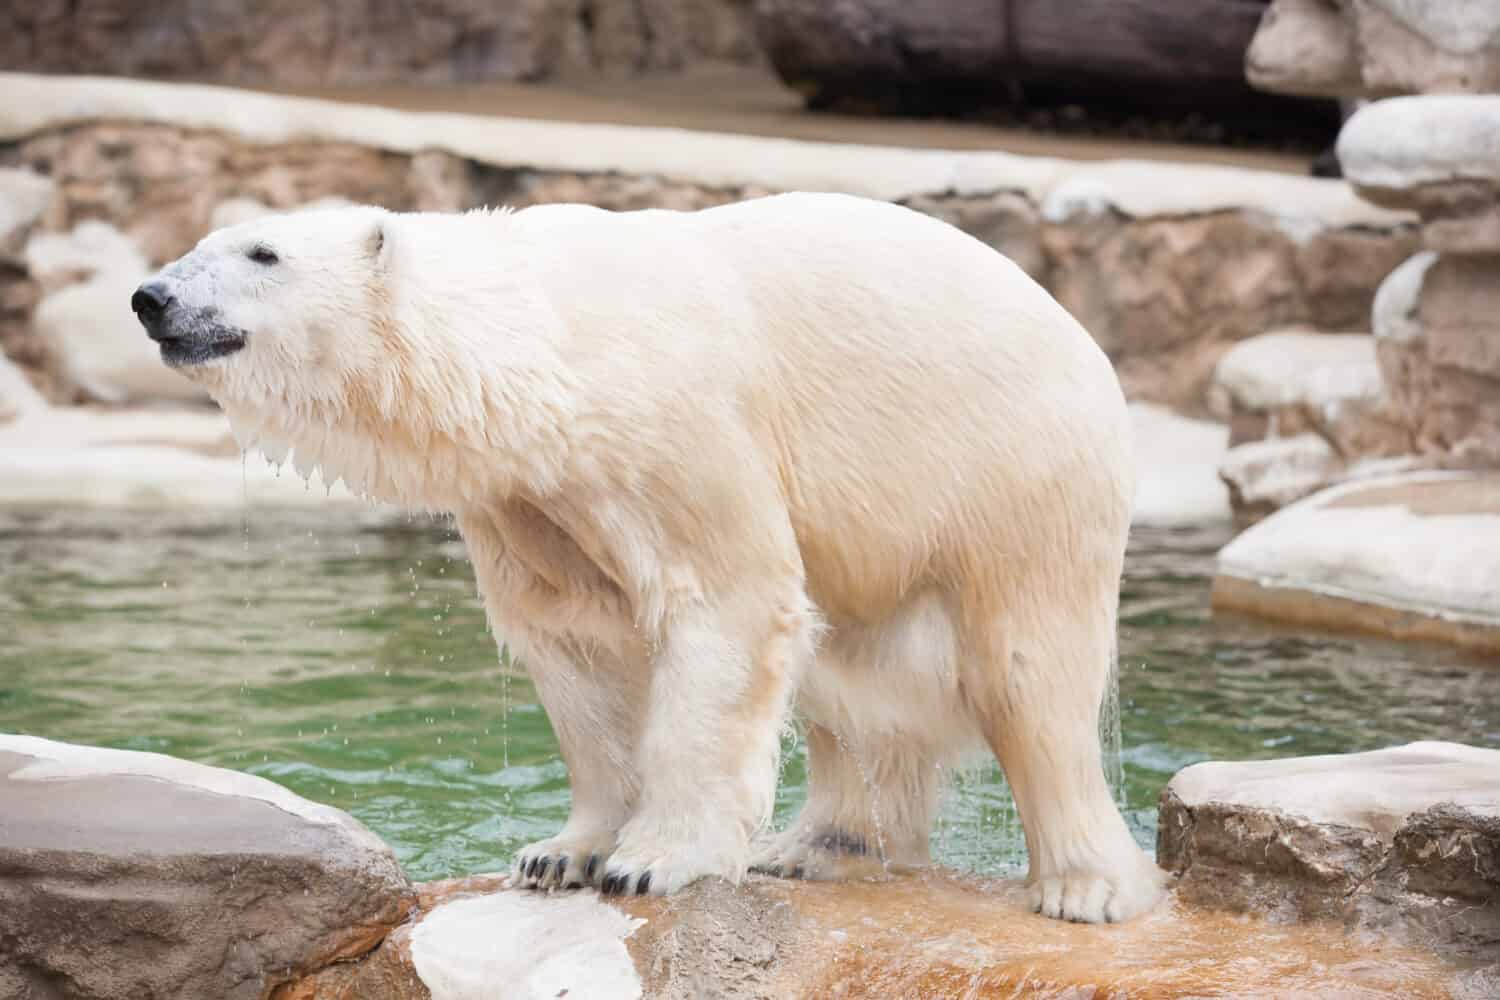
(1412,556)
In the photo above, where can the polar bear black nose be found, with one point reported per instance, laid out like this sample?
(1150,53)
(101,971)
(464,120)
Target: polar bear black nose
(150,299)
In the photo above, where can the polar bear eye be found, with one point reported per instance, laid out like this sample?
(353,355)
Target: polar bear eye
(262,254)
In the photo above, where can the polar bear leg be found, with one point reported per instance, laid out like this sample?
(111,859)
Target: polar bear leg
(870,804)
(593,705)
(1043,724)
(709,751)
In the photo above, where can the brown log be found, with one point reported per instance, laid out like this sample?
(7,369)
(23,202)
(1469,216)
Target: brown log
(970,53)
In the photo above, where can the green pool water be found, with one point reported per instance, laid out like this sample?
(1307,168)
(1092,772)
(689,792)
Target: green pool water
(347,658)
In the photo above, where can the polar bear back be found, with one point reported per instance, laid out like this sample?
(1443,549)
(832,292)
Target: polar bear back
(922,409)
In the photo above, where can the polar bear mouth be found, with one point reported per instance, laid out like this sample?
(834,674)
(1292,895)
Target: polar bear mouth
(184,344)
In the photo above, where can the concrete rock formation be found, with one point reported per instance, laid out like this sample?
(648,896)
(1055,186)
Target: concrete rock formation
(291,43)
(1437,317)
(1405,841)
(1376,48)
(135,874)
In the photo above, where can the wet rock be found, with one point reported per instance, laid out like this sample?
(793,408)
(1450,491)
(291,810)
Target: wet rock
(1439,346)
(332,41)
(1405,841)
(1412,556)
(931,934)
(1376,48)
(134,874)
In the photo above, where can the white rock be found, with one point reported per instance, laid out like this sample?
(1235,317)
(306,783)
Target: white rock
(1374,791)
(1394,313)
(1177,462)
(1427,543)
(1142,189)
(1405,142)
(91,247)
(18,397)
(55,761)
(528,946)
(142,458)
(24,196)
(1280,470)
(101,346)
(1288,367)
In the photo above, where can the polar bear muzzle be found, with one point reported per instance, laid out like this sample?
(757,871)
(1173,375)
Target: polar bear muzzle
(186,336)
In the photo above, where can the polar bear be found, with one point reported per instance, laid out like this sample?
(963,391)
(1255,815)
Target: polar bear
(808,449)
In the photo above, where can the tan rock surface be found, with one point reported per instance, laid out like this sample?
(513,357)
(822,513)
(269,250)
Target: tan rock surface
(1437,320)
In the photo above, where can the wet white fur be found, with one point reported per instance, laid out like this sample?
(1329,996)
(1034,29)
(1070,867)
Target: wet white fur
(807,447)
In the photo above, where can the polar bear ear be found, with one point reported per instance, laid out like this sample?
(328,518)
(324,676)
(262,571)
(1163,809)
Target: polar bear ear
(375,243)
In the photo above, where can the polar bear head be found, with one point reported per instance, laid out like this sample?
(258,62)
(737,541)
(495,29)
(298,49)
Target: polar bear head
(279,308)
(374,345)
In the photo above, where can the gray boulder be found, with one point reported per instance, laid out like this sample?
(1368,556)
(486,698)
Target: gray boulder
(138,875)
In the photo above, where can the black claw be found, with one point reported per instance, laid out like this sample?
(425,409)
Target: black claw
(608,888)
(644,886)
(588,871)
(575,884)
(562,866)
(531,868)
(541,868)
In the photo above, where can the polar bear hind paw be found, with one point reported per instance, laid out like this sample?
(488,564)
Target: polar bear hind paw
(1096,899)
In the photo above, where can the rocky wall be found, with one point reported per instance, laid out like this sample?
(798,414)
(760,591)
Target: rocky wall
(1167,265)
(321,42)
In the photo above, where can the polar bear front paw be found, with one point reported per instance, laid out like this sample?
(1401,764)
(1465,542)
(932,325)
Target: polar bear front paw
(1096,899)
(656,872)
(564,861)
